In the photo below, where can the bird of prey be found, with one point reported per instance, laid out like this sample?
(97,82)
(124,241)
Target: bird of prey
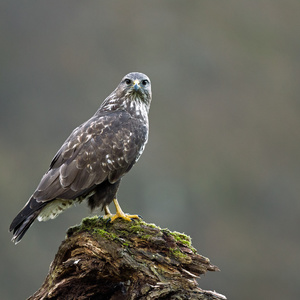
(92,161)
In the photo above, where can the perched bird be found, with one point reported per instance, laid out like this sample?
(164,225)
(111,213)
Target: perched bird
(92,161)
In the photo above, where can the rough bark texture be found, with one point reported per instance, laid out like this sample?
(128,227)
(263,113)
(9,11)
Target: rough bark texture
(125,260)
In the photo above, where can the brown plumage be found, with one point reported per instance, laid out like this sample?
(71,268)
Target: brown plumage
(91,162)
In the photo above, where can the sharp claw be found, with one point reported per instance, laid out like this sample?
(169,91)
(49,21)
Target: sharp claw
(140,217)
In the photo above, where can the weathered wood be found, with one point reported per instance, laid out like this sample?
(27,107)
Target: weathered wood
(125,260)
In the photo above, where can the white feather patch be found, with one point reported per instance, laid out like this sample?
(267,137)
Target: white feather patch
(53,209)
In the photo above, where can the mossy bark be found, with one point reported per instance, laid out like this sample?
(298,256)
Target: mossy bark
(125,260)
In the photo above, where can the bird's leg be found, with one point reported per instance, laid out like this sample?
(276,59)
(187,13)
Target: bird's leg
(121,214)
(107,212)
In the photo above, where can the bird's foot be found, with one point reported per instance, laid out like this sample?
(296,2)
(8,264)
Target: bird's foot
(108,215)
(120,214)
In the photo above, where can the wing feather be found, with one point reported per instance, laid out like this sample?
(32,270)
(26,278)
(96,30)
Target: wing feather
(105,147)
(68,173)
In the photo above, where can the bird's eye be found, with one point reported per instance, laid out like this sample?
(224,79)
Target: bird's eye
(145,82)
(127,81)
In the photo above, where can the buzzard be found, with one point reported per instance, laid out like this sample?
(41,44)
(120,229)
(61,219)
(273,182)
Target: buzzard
(92,161)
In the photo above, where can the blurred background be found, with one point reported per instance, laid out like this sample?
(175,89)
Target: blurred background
(222,163)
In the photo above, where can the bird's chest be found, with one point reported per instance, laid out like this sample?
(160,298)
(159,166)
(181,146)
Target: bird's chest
(122,141)
(138,122)
(136,134)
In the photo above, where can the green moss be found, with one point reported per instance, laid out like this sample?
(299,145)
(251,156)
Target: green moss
(151,225)
(146,237)
(86,224)
(104,234)
(94,225)
(178,254)
(136,228)
(181,238)
(120,230)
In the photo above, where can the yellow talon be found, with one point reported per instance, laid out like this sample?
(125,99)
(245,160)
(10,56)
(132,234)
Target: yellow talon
(120,213)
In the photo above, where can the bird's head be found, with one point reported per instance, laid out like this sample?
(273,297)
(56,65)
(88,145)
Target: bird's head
(133,92)
(136,85)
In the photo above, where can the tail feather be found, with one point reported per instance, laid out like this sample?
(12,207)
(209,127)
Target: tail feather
(25,218)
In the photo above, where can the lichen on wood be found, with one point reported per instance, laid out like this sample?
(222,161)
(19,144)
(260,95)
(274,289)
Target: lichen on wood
(125,260)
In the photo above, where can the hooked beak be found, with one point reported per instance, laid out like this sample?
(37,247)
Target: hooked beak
(136,85)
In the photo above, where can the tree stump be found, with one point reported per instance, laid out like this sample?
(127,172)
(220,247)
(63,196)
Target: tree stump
(125,260)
